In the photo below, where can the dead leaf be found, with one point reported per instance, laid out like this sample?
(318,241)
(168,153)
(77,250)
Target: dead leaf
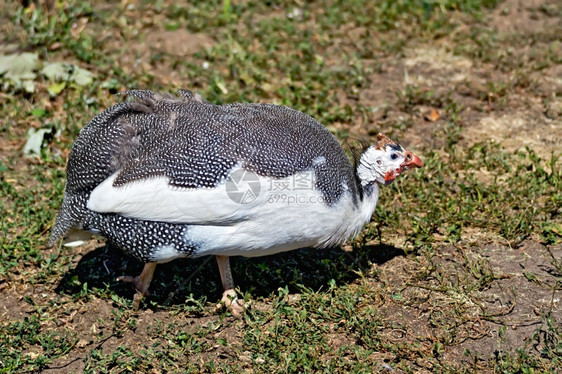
(18,70)
(62,71)
(82,77)
(55,46)
(78,26)
(35,141)
(82,343)
(56,88)
(347,248)
(432,116)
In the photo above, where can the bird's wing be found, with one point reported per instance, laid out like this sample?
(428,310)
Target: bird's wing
(170,160)
(154,199)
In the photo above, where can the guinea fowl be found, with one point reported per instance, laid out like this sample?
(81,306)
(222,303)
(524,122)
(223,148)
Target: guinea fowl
(165,177)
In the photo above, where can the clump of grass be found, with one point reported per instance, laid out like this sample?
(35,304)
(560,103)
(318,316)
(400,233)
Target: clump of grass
(29,347)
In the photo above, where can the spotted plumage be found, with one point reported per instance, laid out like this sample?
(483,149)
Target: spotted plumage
(141,239)
(153,174)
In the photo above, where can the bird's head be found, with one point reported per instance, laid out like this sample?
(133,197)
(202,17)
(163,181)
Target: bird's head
(384,161)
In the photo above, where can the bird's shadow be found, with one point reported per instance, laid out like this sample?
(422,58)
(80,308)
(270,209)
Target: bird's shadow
(178,280)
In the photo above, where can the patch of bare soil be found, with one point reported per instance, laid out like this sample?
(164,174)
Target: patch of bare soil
(500,311)
(181,43)
(514,306)
(523,118)
(525,16)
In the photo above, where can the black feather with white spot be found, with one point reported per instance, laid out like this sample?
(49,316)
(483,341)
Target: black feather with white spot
(140,238)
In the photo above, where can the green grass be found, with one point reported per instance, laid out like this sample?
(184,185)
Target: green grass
(514,198)
(416,290)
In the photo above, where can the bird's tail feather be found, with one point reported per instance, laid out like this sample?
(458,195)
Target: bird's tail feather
(70,215)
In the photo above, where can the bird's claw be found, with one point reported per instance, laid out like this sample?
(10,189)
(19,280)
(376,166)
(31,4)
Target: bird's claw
(235,305)
(139,284)
(140,287)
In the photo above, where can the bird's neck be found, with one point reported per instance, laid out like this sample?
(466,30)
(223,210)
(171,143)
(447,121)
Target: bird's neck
(354,215)
(369,201)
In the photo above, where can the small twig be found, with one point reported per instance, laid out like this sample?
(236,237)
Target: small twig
(63,366)
(106,268)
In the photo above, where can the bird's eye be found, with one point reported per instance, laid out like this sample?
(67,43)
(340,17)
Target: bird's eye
(393,156)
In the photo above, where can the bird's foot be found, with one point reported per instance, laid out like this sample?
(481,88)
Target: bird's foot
(141,282)
(139,286)
(138,282)
(233,303)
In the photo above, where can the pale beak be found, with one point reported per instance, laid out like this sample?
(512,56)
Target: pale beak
(411,161)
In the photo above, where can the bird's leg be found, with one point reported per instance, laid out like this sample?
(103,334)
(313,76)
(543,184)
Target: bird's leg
(141,282)
(229,298)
